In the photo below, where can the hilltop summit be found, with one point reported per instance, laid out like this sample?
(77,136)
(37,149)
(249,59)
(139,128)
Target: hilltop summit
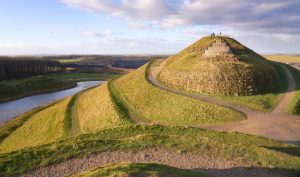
(218,65)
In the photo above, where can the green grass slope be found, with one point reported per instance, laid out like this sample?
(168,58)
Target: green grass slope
(139,169)
(41,128)
(95,110)
(247,74)
(246,150)
(159,106)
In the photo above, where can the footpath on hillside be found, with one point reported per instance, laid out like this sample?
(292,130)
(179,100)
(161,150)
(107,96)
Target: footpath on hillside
(277,125)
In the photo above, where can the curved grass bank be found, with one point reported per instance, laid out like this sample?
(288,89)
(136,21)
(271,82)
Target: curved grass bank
(95,110)
(139,169)
(159,106)
(41,128)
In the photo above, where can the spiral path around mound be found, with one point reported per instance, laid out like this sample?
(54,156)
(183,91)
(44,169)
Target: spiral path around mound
(277,125)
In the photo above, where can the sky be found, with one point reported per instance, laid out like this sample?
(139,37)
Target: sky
(144,26)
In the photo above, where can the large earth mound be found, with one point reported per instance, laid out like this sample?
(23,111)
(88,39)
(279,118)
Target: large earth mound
(219,66)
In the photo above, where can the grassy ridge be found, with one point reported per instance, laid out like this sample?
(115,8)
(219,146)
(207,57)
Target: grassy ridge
(262,102)
(7,128)
(43,127)
(160,106)
(245,149)
(139,169)
(95,110)
(68,116)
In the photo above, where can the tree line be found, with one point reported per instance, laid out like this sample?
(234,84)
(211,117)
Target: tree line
(18,67)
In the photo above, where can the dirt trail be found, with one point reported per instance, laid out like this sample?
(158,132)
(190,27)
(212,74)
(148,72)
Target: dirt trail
(199,163)
(278,124)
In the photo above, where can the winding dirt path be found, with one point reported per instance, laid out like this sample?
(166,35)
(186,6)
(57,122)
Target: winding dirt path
(277,125)
(199,163)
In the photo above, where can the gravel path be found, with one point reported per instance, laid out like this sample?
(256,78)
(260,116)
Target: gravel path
(200,163)
(277,124)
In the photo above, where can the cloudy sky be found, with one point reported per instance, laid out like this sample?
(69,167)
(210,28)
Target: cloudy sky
(144,26)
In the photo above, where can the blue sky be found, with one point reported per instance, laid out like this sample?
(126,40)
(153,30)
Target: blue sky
(144,26)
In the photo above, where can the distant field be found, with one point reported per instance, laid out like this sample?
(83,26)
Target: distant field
(66,77)
(82,76)
(69,60)
(283,58)
(17,88)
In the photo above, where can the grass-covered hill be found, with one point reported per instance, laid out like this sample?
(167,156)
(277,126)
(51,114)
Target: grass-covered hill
(130,114)
(107,118)
(242,72)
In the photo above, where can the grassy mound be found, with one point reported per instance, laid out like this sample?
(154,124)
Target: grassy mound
(159,106)
(42,127)
(246,150)
(242,73)
(94,110)
(139,169)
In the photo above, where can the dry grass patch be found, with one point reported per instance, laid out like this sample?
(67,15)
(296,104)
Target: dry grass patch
(284,58)
(43,127)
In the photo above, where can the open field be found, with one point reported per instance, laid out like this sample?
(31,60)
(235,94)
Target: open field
(65,77)
(41,128)
(69,60)
(245,150)
(284,58)
(159,106)
(15,89)
(142,169)
(82,76)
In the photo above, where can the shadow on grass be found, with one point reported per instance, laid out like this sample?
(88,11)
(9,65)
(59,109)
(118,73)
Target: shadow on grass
(294,151)
(249,172)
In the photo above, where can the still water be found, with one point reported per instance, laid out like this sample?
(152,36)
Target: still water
(11,109)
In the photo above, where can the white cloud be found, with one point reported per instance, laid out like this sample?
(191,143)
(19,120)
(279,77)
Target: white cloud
(255,15)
